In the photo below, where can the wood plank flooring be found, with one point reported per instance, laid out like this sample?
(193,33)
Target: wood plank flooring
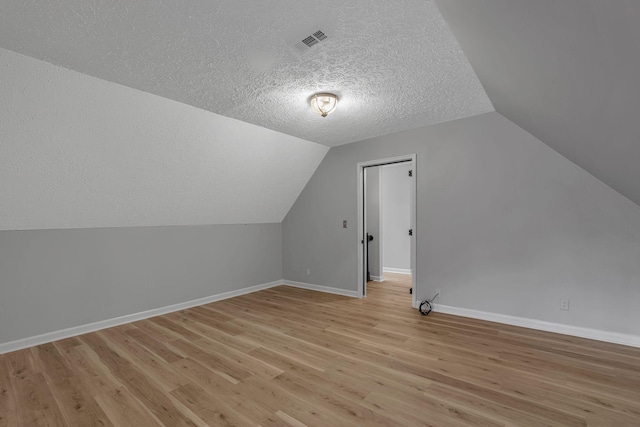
(292,357)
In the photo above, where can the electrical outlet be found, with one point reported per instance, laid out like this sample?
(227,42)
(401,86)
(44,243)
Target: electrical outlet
(344,223)
(564,304)
(308,272)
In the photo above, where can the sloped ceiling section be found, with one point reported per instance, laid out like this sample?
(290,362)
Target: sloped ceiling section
(394,64)
(76,152)
(566,71)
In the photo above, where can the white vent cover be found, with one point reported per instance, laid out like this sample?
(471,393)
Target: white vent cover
(319,35)
(311,40)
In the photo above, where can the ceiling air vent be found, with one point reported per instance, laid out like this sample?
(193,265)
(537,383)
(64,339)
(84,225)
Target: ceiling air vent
(319,35)
(312,40)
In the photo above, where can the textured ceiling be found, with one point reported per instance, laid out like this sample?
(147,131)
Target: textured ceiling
(395,64)
(566,71)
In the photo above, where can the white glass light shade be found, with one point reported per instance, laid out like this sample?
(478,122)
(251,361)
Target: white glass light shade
(324,103)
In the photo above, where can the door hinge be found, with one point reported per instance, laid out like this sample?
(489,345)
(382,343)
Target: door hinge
(411,173)
(411,232)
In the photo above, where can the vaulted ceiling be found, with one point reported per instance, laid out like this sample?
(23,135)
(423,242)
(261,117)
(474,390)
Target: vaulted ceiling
(80,151)
(92,135)
(567,71)
(394,64)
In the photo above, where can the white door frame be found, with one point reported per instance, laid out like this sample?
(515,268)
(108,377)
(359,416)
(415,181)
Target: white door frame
(362,221)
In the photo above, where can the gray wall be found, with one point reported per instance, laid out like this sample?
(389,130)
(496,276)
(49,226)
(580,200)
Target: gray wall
(505,225)
(80,152)
(566,71)
(396,216)
(373,220)
(57,279)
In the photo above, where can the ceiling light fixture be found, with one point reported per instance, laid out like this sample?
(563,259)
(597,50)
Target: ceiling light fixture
(324,103)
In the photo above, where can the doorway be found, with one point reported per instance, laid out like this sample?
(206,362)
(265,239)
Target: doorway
(396,234)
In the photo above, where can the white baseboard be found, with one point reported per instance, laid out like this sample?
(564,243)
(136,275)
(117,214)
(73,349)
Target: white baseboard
(396,270)
(103,324)
(377,278)
(320,288)
(559,328)
(595,334)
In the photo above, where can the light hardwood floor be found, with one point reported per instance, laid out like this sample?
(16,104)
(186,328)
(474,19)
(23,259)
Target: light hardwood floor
(291,357)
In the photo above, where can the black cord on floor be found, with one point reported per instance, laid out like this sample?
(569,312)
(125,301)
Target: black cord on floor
(425,306)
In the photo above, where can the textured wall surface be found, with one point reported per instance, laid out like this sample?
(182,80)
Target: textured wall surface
(395,63)
(505,225)
(57,279)
(81,152)
(566,71)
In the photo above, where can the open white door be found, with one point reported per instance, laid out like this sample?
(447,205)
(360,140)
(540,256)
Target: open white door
(362,220)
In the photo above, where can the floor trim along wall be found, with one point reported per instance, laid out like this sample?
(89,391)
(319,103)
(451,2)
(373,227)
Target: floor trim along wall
(103,324)
(595,334)
(576,331)
(396,270)
(319,288)
(377,278)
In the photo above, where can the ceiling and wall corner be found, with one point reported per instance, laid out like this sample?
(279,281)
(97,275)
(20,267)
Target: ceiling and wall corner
(80,152)
(566,71)
(395,64)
